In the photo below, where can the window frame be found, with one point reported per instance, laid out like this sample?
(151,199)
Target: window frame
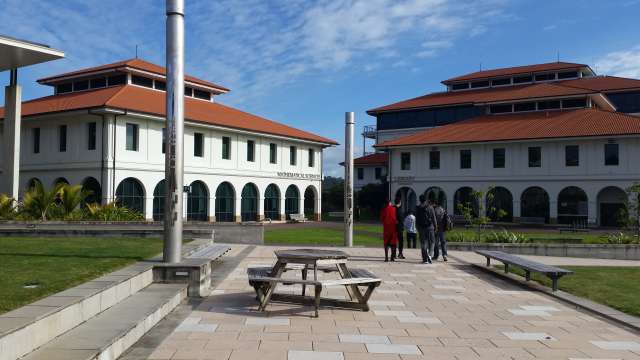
(360,173)
(251,150)
(311,158)
(615,146)
(293,155)
(378,173)
(198,144)
(226,148)
(92,135)
(405,161)
(530,161)
(35,137)
(567,161)
(499,160)
(135,137)
(273,153)
(466,154)
(434,163)
(62,138)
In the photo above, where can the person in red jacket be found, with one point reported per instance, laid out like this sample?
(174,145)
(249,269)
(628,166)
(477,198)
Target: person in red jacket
(390,233)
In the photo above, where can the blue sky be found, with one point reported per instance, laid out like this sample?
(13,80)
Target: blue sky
(305,62)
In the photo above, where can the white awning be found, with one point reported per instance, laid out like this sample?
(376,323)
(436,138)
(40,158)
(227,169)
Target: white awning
(16,53)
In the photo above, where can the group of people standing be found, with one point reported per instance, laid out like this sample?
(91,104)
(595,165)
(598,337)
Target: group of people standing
(430,222)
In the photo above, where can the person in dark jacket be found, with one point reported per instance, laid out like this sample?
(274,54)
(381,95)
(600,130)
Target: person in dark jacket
(400,226)
(441,242)
(427,225)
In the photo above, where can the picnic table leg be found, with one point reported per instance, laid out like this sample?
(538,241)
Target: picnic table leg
(506,268)
(304,277)
(488,261)
(527,275)
(554,283)
(317,299)
(352,290)
(278,268)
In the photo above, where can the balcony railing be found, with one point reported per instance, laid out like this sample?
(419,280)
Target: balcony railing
(369,131)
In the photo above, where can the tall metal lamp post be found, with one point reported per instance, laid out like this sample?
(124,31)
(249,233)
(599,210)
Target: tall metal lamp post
(174,152)
(348,178)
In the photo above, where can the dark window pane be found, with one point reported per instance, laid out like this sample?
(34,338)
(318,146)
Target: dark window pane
(117,80)
(360,173)
(460,86)
(499,109)
(611,155)
(535,156)
(434,160)
(405,161)
(91,136)
(312,158)
(188,91)
(572,155)
(64,88)
(226,147)
(98,83)
(36,140)
(132,137)
(479,84)
(545,77)
(548,105)
(293,155)
(522,79)
(251,150)
(198,144)
(273,153)
(465,159)
(499,156)
(530,106)
(81,85)
(378,173)
(204,95)
(503,81)
(574,103)
(627,102)
(567,74)
(160,85)
(142,81)
(62,138)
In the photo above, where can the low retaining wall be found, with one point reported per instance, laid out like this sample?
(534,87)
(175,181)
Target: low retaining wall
(243,233)
(597,251)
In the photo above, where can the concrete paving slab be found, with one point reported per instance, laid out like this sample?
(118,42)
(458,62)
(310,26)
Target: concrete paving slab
(364,339)
(314,355)
(393,349)
(617,345)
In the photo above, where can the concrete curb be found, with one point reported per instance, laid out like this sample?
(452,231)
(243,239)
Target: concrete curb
(629,321)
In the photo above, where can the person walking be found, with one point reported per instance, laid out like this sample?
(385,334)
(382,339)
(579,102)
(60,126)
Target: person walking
(410,227)
(444,221)
(427,224)
(399,226)
(389,230)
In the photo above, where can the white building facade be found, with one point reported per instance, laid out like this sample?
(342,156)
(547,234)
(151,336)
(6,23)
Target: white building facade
(239,167)
(552,143)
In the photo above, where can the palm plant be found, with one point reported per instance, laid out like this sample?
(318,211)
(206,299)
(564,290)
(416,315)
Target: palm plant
(6,206)
(71,196)
(38,201)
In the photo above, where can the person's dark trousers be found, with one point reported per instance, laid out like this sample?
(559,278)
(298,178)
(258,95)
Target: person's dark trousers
(441,244)
(386,252)
(411,240)
(400,231)
(426,241)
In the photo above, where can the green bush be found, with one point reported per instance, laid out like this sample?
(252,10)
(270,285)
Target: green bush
(455,237)
(622,238)
(506,236)
(112,212)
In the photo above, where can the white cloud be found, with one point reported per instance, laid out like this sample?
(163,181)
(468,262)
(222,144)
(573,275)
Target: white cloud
(550,27)
(624,63)
(333,156)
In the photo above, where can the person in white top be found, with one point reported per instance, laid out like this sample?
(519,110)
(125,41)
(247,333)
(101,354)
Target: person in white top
(410,227)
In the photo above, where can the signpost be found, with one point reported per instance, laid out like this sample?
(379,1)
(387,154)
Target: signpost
(174,152)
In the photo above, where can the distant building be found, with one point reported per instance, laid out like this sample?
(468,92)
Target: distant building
(554,141)
(104,128)
(370,169)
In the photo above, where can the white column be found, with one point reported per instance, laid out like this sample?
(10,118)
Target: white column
(282,207)
(553,211)
(318,213)
(107,180)
(592,217)
(301,204)
(12,120)
(148,207)
(236,211)
(260,208)
(212,208)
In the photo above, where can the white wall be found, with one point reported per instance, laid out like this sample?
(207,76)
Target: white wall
(368,178)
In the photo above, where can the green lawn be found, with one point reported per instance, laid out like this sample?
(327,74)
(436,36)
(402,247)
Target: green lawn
(315,236)
(617,287)
(59,263)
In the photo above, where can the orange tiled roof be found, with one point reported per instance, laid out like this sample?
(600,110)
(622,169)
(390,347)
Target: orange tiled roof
(132,63)
(526,69)
(372,159)
(139,99)
(528,126)
(588,85)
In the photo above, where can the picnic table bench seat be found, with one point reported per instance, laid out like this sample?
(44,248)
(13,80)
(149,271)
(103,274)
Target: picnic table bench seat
(261,278)
(552,272)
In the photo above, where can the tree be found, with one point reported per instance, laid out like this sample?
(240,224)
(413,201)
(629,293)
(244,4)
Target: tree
(37,201)
(474,211)
(71,197)
(332,194)
(371,197)
(631,217)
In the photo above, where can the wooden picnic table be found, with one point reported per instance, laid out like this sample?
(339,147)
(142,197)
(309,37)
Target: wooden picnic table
(266,280)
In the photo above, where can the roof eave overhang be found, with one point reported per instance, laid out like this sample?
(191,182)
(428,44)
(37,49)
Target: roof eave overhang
(454,80)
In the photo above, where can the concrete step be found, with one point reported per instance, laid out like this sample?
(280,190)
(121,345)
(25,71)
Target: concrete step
(29,327)
(112,332)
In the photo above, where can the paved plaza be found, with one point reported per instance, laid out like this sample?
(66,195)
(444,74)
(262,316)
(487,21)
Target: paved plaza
(441,311)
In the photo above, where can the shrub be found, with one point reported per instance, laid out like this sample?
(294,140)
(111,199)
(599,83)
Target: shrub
(38,202)
(7,207)
(622,238)
(506,236)
(111,212)
(455,237)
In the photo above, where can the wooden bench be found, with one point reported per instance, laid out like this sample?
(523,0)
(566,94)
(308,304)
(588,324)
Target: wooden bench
(552,272)
(263,282)
(297,218)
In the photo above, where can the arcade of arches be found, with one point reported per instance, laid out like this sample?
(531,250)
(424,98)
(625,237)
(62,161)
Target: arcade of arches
(571,206)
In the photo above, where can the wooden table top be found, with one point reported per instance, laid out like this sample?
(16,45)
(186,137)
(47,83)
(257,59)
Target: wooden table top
(311,254)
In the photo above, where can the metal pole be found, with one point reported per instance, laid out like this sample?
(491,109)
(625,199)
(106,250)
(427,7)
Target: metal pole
(348,179)
(174,152)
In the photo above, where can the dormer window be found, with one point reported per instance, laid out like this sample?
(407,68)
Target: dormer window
(574,103)
(117,79)
(567,75)
(142,81)
(188,91)
(461,86)
(522,79)
(204,95)
(98,83)
(160,85)
(546,77)
(80,85)
(500,82)
(64,88)
(480,84)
